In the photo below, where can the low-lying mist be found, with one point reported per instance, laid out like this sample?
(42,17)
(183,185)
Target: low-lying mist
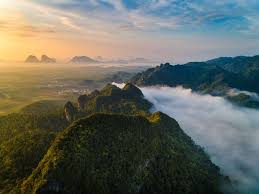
(229,134)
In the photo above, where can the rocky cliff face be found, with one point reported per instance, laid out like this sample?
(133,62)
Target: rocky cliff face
(128,100)
(81,101)
(70,111)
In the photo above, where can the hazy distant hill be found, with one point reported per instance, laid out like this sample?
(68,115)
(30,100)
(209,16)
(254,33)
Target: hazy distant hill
(140,60)
(82,59)
(240,64)
(119,77)
(32,59)
(44,59)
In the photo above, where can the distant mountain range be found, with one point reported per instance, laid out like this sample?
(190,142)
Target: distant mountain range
(131,60)
(83,59)
(217,77)
(44,59)
(86,60)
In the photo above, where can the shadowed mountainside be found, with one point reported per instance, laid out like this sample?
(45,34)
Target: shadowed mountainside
(216,77)
(110,99)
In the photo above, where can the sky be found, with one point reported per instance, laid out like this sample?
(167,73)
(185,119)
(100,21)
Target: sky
(167,30)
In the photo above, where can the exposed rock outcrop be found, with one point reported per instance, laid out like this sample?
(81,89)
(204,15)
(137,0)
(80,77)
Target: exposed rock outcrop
(70,111)
(82,100)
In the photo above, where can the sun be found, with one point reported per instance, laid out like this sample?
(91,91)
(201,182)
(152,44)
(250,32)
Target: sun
(6,6)
(6,3)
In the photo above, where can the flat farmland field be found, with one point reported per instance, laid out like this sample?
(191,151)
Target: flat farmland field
(21,83)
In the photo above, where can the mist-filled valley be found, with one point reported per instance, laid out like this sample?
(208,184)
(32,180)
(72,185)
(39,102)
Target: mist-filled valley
(228,133)
(131,127)
(129,97)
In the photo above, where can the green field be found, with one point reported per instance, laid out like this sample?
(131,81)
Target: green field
(22,84)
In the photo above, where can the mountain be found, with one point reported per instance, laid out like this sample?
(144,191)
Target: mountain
(32,59)
(216,77)
(110,99)
(43,115)
(130,60)
(82,59)
(46,107)
(139,60)
(112,144)
(107,153)
(119,77)
(25,138)
(46,59)
(189,76)
(243,99)
(239,64)
(20,154)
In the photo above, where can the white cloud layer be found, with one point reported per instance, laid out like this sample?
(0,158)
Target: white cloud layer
(228,133)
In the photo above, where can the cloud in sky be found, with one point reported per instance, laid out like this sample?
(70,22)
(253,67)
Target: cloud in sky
(228,133)
(189,14)
(126,25)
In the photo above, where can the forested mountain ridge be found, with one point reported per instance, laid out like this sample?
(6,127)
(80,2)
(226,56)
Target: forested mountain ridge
(216,77)
(110,99)
(30,132)
(25,138)
(132,151)
(240,64)
(107,153)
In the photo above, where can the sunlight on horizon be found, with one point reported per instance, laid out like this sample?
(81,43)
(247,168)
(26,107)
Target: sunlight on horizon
(158,30)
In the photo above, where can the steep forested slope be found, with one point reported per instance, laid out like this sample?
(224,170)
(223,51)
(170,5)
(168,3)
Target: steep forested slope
(216,77)
(107,153)
(20,155)
(29,133)
(132,151)
(24,139)
(110,99)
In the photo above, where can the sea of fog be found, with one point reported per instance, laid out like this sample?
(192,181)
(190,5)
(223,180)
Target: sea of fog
(229,134)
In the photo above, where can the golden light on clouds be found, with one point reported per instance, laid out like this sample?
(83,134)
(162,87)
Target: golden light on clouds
(63,28)
(18,35)
(26,28)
